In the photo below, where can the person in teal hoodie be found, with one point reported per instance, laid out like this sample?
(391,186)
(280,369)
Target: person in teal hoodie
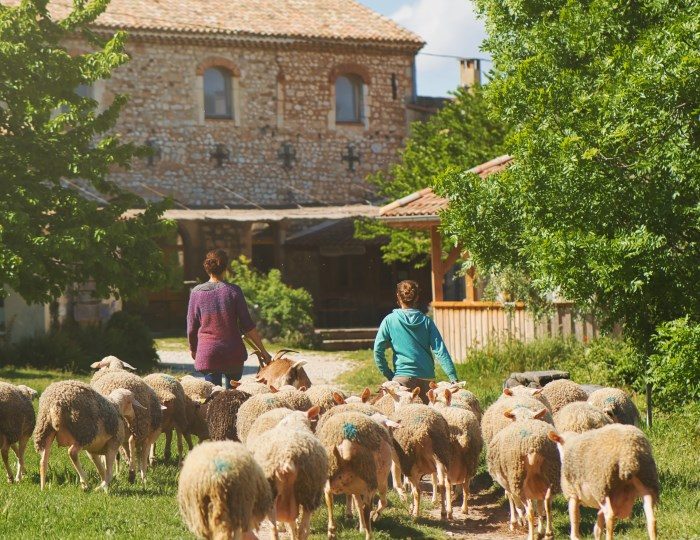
(414,338)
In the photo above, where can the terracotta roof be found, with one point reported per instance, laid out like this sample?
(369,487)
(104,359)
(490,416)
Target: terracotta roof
(424,206)
(325,19)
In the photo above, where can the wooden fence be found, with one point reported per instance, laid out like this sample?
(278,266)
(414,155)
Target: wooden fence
(466,325)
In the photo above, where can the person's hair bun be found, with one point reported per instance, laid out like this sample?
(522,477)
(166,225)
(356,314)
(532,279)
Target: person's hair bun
(216,262)
(408,292)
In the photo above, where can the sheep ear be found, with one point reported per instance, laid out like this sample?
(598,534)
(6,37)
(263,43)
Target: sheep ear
(97,365)
(313,412)
(540,414)
(364,396)
(136,404)
(302,389)
(128,366)
(508,413)
(553,436)
(273,389)
(432,384)
(339,400)
(431,395)
(416,391)
(507,392)
(448,397)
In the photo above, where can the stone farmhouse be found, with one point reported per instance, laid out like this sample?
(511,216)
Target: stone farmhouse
(265,117)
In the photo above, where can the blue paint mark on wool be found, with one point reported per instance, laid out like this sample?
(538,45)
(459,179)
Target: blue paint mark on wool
(524,433)
(349,431)
(169,378)
(609,400)
(221,466)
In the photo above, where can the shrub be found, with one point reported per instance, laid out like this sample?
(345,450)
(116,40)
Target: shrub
(615,362)
(281,312)
(674,370)
(74,348)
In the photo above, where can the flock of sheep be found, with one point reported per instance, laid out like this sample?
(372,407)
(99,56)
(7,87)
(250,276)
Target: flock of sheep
(279,446)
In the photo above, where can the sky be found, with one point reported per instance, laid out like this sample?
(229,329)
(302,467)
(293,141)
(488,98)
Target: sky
(448,27)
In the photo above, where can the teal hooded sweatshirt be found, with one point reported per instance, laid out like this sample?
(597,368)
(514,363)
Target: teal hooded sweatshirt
(412,336)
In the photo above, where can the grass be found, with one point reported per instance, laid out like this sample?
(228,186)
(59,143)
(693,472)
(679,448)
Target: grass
(675,437)
(63,510)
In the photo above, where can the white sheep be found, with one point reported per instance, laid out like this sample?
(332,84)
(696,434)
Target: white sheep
(616,404)
(607,469)
(222,492)
(171,396)
(580,416)
(76,415)
(197,392)
(560,392)
(494,418)
(17,420)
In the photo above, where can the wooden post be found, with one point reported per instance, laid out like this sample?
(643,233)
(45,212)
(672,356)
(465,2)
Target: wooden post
(471,289)
(280,233)
(437,270)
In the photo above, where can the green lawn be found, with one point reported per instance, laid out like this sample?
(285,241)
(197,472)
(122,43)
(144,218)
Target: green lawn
(63,510)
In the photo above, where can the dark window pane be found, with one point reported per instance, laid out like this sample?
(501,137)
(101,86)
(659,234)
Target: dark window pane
(217,93)
(348,99)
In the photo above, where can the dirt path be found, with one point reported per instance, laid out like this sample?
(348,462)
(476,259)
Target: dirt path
(487,518)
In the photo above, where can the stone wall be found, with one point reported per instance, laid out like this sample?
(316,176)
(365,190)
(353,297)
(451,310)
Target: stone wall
(281,95)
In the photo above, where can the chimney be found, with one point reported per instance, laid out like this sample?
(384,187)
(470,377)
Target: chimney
(469,72)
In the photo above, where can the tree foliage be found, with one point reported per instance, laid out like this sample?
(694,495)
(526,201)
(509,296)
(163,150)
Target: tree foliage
(603,202)
(53,234)
(459,136)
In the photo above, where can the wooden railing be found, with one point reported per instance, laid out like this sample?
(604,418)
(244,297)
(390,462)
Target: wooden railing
(466,325)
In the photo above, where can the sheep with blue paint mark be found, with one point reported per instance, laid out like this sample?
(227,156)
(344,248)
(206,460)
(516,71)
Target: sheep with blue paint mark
(171,396)
(253,408)
(616,404)
(222,491)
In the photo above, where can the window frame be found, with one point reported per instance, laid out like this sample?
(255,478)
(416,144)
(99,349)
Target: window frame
(228,77)
(358,86)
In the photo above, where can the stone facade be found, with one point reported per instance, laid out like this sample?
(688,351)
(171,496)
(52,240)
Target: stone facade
(281,94)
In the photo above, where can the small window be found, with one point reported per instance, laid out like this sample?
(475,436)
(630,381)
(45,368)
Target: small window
(217,93)
(348,98)
(82,90)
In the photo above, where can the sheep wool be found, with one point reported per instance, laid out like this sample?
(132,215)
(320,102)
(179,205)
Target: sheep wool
(322,395)
(294,399)
(605,461)
(362,408)
(171,395)
(196,393)
(253,387)
(252,409)
(617,404)
(561,392)
(465,399)
(265,422)
(222,491)
(147,421)
(580,416)
(17,421)
(494,419)
(222,413)
(465,437)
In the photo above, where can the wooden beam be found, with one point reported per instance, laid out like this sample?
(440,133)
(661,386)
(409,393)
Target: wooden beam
(471,289)
(437,269)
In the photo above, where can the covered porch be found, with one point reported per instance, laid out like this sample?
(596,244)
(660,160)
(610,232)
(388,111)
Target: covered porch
(466,320)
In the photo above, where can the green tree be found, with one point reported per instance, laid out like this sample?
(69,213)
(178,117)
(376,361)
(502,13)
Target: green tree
(53,234)
(603,202)
(459,136)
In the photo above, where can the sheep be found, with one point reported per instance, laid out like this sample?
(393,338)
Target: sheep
(222,412)
(364,397)
(465,447)
(342,407)
(197,391)
(265,422)
(145,427)
(392,399)
(17,420)
(108,364)
(359,457)
(460,397)
(525,391)
(616,404)
(580,416)
(423,447)
(561,392)
(78,416)
(252,409)
(222,492)
(607,469)
(251,387)
(295,462)
(323,395)
(281,371)
(171,395)
(525,462)
(294,399)
(495,420)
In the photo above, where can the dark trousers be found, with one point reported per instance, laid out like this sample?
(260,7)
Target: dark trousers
(415,382)
(224,379)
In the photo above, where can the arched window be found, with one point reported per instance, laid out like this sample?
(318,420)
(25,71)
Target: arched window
(348,98)
(217,93)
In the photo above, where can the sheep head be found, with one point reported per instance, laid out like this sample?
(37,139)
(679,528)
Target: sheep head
(30,393)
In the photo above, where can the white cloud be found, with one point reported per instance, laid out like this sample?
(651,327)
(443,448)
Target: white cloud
(448,27)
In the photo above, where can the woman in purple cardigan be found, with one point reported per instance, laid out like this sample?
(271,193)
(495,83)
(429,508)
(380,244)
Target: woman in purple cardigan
(217,320)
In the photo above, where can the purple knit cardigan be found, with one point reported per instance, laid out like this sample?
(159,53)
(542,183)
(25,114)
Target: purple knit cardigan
(217,317)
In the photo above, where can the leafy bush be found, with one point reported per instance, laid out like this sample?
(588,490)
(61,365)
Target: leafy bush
(614,362)
(674,370)
(281,312)
(74,348)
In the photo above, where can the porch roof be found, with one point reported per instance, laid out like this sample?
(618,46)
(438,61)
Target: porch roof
(251,215)
(421,209)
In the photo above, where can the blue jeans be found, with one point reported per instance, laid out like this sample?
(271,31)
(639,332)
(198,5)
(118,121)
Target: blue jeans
(224,379)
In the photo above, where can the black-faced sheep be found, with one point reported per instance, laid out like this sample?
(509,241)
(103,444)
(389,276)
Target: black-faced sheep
(17,420)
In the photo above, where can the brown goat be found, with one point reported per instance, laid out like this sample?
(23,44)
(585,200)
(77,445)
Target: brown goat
(283,371)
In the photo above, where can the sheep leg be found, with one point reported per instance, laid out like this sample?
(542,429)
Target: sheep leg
(143,460)
(5,451)
(599,526)
(448,502)
(73,453)
(19,450)
(188,440)
(304,524)
(574,518)
(97,460)
(179,446)
(132,459)
(415,491)
(168,442)
(348,506)
(357,502)
(530,509)
(442,483)
(397,480)
(465,498)
(328,495)
(434,482)
(548,531)
(609,519)
(272,517)
(511,503)
(44,461)
(110,458)
(382,504)
(649,513)
(363,509)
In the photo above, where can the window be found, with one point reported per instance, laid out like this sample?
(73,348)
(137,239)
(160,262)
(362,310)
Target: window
(348,99)
(217,93)
(82,90)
